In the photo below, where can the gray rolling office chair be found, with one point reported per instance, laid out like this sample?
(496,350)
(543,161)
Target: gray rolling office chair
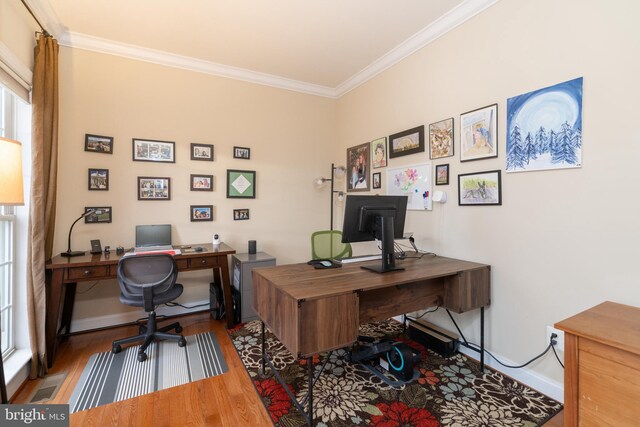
(148,281)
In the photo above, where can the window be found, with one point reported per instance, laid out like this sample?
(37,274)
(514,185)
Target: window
(15,123)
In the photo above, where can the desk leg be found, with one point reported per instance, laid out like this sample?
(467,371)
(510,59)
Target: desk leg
(310,395)
(482,339)
(67,308)
(54,299)
(226,289)
(264,353)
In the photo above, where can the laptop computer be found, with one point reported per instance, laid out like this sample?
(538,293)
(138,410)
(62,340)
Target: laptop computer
(156,237)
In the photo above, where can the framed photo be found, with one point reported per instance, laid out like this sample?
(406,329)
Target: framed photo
(241,184)
(149,150)
(98,179)
(358,167)
(241,153)
(201,182)
(201,213)
(479,133)
(240,214)
(442,174)
(441,139)
(379,153)
(102,214)
(479,188)
(154,188)
(408,142)
(202,152)
(98,143)
(377,178)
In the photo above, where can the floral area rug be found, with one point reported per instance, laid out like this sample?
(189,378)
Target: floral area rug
(449,391)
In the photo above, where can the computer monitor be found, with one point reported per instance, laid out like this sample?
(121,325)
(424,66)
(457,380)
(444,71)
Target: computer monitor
(153,235)
(368,218)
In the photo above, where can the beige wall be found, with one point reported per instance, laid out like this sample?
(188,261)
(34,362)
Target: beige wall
(291,137)
(563,240)
(17,31)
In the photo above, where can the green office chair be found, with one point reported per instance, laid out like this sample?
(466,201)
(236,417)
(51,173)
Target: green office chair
(328,244)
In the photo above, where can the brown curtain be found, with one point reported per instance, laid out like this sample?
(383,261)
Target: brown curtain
(42,211)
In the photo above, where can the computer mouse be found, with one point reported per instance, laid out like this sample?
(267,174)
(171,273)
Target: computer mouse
(326,263)
(198,249)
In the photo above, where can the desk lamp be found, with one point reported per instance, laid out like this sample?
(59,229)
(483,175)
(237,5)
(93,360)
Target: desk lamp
(11,194)
(69,252)
(336,172)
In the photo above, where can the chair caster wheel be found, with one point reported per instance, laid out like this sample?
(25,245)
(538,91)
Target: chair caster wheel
(182,342)
(116,349)
(142,357)
(179,329)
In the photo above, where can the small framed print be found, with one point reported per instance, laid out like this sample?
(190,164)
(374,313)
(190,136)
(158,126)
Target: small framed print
(98,179)
(154,188)
(479,133)
(442,174)
(202,152)
(377,178)
(480,189)
(379,153)
(201,182)
(240,214)
(98,143)
(407,142)
(100,215)
(441,139)
(241,184)
(149,150)
(241,153)
(201,213)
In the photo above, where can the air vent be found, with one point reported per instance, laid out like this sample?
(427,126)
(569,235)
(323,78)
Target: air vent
(48,388)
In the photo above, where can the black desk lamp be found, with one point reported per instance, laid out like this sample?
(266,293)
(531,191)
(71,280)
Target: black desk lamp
(69,252)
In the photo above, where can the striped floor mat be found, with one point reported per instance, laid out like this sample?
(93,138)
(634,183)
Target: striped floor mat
(112,377)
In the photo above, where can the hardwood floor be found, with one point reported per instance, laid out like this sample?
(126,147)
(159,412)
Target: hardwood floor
(225,400)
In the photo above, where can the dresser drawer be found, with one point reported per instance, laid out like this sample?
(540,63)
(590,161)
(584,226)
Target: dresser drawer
(86,273)
(203,262)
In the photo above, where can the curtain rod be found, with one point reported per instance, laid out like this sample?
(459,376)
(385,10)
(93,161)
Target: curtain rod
(44,32)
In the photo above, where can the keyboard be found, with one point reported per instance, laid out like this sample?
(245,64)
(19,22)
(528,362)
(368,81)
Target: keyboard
(153,248)
(362,258)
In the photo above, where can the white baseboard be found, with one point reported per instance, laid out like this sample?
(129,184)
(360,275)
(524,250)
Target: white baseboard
(89,323)
(551,388)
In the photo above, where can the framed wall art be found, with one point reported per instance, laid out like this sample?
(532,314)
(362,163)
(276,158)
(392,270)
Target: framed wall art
(442,174)
(410,141)
(377,177)
(98,179)
(149,150)
(479,133)
(379,152)
(98,144)
(241,153)
(101,214)
(240,214)
(201,182)
(358,167)
(480,188)
(414,182)
(154,188)
(201,213)
(241,184)
(441,139)
(202,152)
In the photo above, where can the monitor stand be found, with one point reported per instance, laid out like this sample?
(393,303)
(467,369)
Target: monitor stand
(388,254)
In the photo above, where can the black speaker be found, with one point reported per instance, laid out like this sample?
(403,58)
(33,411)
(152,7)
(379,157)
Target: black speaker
(252,246)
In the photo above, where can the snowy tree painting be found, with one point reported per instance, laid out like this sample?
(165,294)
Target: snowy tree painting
(544,128)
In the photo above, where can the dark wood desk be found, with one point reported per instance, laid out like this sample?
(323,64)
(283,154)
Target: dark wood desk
(62,275)
(317,310)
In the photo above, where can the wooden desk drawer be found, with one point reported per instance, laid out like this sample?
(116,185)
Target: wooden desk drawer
(203,262)
(182,264)
(85,273)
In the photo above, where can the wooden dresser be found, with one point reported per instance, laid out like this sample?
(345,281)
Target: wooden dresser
(602,366)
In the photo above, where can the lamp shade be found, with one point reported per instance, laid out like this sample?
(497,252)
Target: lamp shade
(11,192)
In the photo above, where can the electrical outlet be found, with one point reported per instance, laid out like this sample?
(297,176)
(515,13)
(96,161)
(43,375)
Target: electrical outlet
(559,339)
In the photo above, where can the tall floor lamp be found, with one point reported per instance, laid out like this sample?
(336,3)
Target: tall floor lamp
(336,172)
(11,194)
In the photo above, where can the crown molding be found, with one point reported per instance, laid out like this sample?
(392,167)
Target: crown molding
(447,22)
(47,16)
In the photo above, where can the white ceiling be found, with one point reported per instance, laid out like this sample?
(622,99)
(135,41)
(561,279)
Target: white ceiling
(325,47)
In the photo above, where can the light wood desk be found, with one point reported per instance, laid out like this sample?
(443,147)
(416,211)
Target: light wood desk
(602,366)
(316,310)
(62,275)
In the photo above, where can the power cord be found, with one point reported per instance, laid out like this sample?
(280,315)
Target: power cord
(177,304)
